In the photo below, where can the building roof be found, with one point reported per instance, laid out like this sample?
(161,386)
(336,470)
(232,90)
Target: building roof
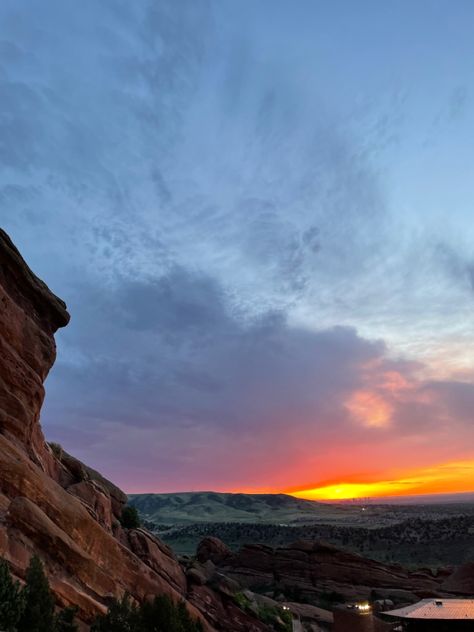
(434,609)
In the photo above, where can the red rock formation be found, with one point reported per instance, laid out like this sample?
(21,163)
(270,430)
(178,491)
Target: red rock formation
(223,613)
(53,505)
(212,549)
(313,568)
(50,503)
(461,582)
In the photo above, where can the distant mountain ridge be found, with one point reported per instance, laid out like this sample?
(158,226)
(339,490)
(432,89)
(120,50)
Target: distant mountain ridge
(183,508)
(194,507)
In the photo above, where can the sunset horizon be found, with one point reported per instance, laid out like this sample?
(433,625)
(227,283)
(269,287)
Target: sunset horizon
(447,479)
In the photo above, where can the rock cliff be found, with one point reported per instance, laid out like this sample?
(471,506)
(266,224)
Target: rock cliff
(50,503)
(53,505)
(311,570)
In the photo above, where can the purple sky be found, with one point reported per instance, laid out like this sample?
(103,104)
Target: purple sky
(260,216)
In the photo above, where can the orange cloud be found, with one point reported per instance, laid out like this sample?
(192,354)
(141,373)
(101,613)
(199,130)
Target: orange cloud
(394,382)
(444,478)
(369,408)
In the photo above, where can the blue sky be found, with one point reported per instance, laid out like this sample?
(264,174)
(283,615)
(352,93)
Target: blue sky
(255,211)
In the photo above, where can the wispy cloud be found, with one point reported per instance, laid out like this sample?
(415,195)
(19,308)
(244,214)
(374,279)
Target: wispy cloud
(228,206)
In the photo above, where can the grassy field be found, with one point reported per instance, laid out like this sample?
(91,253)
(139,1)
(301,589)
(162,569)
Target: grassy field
(414,535)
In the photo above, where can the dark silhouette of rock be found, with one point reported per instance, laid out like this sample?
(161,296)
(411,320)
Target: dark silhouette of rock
(461,581)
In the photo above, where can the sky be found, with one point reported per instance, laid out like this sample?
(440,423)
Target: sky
(260,216)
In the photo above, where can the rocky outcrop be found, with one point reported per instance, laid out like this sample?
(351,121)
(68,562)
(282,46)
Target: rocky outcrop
(461,581)
(53,505)
(214,594)
(29,316)
(213,549)
(311,569)
(223,612)
(50,503)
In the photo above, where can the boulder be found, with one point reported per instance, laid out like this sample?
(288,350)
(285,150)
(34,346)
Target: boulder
(213,549)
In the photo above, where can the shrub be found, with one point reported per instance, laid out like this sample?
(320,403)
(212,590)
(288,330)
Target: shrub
(130,518)
(57,449)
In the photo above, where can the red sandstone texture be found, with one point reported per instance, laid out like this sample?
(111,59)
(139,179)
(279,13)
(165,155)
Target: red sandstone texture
(311,569)
(53,505)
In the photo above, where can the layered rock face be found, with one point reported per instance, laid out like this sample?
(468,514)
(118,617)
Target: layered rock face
(50,503)
(311,569)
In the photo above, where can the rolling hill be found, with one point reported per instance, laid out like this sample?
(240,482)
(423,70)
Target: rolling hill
(194,507)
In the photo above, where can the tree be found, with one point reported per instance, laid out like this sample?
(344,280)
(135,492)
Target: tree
(65,621)
(38,612)
(159,615)
(130,518)
(121,617)
(163,615)
(11,601)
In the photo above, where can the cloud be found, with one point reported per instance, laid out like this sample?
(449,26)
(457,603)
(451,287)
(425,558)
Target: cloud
(211,200)
(200,384)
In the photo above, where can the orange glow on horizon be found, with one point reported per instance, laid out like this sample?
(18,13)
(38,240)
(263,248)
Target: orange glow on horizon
(455,477)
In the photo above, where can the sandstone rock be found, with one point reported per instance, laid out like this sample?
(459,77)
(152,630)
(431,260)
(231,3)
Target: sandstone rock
(29,316)
(96,500)
(461,581)
(201,573)
(309,613)
(50,503)
(213,549)
(157,556)
(225,585)
(223,613)
(313,568)
(77,472)
(196,576)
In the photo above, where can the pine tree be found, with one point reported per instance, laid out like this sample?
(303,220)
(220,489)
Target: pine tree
(130,518)
(38,613)
(11,602)
(65,621)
